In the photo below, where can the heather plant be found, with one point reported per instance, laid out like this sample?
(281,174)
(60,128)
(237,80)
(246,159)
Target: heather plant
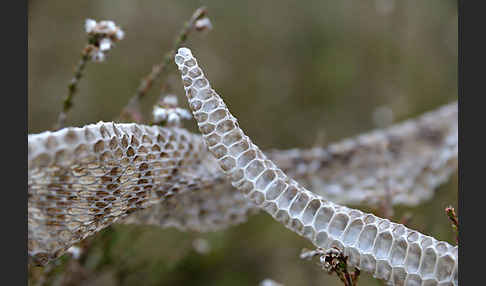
(101,38)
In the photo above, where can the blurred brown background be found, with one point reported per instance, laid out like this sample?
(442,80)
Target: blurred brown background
(289,70)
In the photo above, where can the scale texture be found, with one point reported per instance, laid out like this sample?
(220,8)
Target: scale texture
(74,172)
(388,250)
(409,160)
(81,180)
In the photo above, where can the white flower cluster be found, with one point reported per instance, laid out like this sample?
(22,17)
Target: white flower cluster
(328,259)
(103,35)
(167,111)
(75,252)
(331,259)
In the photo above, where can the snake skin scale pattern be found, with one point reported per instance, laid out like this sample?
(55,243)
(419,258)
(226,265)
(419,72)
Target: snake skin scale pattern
(388,250)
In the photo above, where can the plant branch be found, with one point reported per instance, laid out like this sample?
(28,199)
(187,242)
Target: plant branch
(131,110)
(101,38)
(73,86)
(451,214)
(333,261)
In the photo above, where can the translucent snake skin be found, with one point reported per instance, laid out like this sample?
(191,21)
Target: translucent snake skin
(409,159)
(81,180)
(388,250)
(424,155)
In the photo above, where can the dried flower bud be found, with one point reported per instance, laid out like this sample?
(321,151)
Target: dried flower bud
(203,24)
(169,100)
(105,44)
(331,259)
(106,27)
(120,34)
(183,113)
(89,25)
(309,254)
(173,118)
(167,111)
(75,251)
(159,114)
(97,55)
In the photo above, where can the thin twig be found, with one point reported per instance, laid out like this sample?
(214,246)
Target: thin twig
(339,265)
(73,86)
(131,110)
(101,38)
(451,214)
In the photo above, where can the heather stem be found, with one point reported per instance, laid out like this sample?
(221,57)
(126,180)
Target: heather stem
(451,213)
(73,86)
(131,111)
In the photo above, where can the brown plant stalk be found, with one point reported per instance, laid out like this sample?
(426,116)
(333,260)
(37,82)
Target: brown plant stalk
(131,111)
(101,38)
(334,261)
(73,86)
(451,214)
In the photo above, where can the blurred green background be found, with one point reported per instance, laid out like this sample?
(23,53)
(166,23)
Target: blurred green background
(290,71)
